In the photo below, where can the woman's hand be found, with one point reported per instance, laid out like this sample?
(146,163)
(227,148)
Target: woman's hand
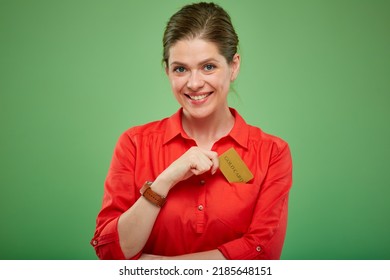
(195,161)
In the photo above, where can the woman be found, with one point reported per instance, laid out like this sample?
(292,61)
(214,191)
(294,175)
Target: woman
(166,195)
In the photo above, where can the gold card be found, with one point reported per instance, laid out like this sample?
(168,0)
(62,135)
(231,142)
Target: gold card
(234,168)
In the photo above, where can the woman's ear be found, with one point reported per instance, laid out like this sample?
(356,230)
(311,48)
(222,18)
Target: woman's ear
(235,66)
(166,68)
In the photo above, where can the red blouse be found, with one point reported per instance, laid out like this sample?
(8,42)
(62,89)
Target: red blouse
(242,220)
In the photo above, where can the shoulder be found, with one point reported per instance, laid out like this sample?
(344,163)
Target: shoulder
(160,130)
(141,135)
(255,138)
(154,127)
(152,131)
(258,137)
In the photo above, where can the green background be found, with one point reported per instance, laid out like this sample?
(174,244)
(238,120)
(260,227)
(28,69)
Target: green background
(75,74)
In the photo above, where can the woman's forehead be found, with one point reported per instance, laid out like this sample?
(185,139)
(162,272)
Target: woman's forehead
(193,50)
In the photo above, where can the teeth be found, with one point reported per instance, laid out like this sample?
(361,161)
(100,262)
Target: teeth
(198,97)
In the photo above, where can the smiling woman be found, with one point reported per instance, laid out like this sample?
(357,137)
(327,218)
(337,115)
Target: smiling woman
(167,195)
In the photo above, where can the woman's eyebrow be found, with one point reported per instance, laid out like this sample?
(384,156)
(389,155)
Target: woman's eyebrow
(177,63)
(200,63)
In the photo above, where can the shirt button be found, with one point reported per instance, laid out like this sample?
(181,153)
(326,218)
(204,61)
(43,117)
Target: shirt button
(200,207)
(94,243)
(258,248)
(202,182)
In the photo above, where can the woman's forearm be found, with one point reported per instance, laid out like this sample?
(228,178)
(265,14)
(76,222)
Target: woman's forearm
(136,224)
(206,255)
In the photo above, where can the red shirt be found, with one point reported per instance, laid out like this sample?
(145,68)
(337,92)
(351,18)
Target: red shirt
(242,220)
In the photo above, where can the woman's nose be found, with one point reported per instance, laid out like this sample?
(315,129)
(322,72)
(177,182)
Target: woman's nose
(195,81)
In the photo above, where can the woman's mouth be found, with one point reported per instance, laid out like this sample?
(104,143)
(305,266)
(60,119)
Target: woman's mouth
(198,97)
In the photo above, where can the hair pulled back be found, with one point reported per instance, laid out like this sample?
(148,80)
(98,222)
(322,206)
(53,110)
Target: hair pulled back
(206,21)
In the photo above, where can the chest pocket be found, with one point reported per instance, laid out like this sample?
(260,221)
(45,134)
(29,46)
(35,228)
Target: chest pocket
(237,204)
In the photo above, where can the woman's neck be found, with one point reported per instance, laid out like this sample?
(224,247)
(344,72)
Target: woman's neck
(206,131)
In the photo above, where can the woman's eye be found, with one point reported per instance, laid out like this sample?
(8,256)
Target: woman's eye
(179,69)
(209,67)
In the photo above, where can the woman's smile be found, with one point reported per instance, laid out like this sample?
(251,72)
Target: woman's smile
(198,98)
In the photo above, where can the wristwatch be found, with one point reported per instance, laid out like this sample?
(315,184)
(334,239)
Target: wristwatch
(151,196)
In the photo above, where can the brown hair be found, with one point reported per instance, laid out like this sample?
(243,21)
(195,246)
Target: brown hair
(206,21)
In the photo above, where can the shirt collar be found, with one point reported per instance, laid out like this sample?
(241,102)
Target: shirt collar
(239,132)
(174,127)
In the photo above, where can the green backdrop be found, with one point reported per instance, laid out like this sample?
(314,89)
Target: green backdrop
(75,74)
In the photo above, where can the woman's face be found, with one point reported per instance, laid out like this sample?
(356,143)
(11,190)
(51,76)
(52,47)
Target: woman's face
(200,77)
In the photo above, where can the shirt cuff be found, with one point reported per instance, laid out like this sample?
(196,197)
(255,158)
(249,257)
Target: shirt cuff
(107,245)
(241,249)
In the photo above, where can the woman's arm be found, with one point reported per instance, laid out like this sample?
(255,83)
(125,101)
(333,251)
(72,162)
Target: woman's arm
(122,232)
(265,235)
(207,255)
(136,224)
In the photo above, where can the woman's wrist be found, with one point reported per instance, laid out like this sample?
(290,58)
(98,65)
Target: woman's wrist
(162,184)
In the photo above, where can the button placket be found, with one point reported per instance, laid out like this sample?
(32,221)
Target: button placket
(200,207)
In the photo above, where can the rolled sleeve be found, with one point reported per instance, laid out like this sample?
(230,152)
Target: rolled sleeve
(119,195)
(107,245)
(265,236)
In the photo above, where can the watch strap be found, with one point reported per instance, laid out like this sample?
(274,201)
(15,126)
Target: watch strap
(152,196)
